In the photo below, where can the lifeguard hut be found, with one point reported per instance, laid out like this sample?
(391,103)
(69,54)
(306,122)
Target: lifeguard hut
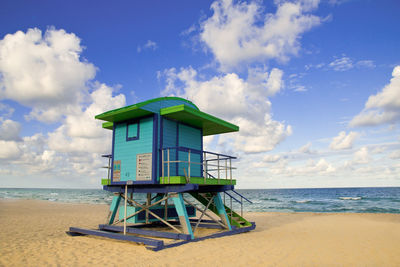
(162,177)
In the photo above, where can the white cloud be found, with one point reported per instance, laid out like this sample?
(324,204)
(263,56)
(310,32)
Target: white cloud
(81,132)
(341,64)
(343,141)
(384,107)
(395,154)
(243,102)
(311,168)
(362,156)
(148,45)
(44,72)
(9,130)
(300,88)
(345,63)
(271,158)
(9,150)
(241,32)
(306,148)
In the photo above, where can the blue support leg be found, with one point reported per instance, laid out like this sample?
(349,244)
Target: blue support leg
(114,208)
(221,210)
(182,213)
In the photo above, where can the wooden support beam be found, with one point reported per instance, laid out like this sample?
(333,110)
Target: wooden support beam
(138,239)
(202,214)
(158,217)
(130,216)
(209,216)
(139,231)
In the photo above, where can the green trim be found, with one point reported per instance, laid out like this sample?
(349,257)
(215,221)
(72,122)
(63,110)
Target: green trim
(108,125)
(210,124)
(195,180)
(105,182)
(134,111)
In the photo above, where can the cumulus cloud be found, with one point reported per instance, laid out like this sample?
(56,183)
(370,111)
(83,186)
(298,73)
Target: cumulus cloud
(148,45)
(44,72)
(9,130)
(343,140)
(243,102)
(9,150)
(242,32)
(81,132)
(383,107)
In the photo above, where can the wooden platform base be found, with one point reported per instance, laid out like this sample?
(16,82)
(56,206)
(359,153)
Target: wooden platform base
(114,232)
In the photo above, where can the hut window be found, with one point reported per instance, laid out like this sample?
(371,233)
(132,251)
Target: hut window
(132,131)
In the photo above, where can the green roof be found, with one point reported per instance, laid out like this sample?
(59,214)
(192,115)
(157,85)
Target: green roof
(183,113)
(210,124)
(133,111)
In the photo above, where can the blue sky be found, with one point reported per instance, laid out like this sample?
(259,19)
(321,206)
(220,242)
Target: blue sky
(314,85)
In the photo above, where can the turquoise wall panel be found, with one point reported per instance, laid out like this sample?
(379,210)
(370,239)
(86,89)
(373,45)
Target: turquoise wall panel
(169,140)
(126,151)
(191,138)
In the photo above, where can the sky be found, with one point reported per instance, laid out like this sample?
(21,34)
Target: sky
(314,85)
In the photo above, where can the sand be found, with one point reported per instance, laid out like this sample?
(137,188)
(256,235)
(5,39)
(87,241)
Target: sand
(32,233)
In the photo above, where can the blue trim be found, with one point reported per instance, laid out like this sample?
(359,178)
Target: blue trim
(112,154)
(241,196)
(150,188)
(137,121)
(154,244)
(201,154)
(155,148)
(161,144)
(148,241)
(216,235)
(176,151)
(135,230)
(186,149)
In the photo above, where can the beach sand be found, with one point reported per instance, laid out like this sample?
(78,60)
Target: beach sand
(32,233)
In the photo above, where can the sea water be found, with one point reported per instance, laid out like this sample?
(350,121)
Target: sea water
(356,200)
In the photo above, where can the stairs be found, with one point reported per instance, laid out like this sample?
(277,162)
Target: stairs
(234,218)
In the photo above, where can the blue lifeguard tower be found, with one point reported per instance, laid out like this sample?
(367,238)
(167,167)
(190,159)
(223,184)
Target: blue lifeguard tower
(161,176)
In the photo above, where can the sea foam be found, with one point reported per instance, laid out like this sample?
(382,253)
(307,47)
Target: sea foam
(350,198)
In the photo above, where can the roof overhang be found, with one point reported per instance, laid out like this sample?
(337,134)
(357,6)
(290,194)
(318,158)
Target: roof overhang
(123,114)
(208,123)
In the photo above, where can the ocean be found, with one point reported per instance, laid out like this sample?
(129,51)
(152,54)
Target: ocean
(354,200)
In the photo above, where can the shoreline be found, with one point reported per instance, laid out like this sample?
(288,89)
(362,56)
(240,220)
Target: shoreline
(33,233)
